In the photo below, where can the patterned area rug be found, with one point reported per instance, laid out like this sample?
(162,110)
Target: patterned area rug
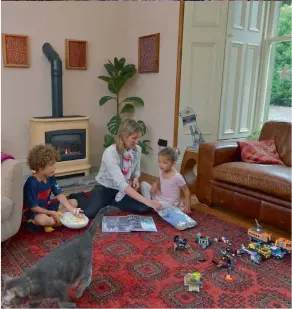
(141,270)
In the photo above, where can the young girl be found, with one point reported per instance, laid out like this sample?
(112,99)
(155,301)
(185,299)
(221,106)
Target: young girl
(167,190)
(118,176)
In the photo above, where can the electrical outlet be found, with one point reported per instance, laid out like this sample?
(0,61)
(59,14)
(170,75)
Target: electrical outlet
(162,143)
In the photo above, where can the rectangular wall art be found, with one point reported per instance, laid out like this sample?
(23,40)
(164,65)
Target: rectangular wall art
(15,49)
(76,54)
(148,53)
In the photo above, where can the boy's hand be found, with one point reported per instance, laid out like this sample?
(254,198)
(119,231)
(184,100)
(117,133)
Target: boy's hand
(77,212)
(135,184)
(55,215)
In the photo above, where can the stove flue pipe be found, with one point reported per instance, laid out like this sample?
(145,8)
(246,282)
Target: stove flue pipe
(56,80)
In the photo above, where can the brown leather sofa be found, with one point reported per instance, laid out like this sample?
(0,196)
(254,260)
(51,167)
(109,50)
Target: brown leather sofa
(256,190)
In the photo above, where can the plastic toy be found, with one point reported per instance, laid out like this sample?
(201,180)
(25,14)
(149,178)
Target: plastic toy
(284,244)
(257,234)
(193,282)
(204,241)
(189,119)
(181,243)
(225,239)
(225,262)
(254,256)
(262,249)
(277,252)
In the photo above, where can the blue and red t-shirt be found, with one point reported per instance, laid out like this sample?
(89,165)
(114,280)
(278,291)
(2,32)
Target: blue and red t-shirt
(37,193)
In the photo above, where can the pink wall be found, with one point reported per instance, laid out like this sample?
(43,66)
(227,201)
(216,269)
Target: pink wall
(111,29)
(157,89)
(27,92)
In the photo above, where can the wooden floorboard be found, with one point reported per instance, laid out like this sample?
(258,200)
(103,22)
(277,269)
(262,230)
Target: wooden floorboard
(227,215)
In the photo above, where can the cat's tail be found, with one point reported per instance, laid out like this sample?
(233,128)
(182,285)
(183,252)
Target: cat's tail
(98,218)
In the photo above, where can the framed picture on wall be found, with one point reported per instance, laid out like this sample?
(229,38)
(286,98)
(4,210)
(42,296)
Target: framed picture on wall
(15,49)
(148,53)
(76,54)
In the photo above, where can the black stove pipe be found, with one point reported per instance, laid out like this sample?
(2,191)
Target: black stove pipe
(56,80)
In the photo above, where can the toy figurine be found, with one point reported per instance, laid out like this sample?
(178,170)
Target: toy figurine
(193,282)
(181,243)
(225,262)
(189,118)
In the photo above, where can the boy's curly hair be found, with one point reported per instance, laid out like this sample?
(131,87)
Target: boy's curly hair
(41,155)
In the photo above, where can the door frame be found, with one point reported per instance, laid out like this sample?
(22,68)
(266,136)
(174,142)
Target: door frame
(178,71)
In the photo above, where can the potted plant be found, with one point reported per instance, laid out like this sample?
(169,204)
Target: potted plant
(119,73)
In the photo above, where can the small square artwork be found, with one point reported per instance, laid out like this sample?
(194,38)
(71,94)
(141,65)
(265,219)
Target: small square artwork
(76,55)
(15,49)
(148,61)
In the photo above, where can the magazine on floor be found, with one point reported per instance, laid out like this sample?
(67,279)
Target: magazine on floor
(130,223)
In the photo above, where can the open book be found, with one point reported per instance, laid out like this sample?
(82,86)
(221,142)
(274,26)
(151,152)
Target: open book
(130,223)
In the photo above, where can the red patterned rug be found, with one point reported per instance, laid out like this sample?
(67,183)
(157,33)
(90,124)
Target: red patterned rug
(141,270)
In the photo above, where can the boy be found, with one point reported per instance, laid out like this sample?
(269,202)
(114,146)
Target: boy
(38,208)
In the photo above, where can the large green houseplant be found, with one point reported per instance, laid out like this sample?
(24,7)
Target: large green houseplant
(119,73)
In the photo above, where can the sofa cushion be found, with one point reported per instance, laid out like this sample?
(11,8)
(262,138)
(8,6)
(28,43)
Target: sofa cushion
(280,132)
(6,208)
(271,179)
(261,152)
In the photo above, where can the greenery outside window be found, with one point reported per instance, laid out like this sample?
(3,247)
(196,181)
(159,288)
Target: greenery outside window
(278,102)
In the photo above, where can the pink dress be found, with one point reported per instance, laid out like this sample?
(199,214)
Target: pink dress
(170,189)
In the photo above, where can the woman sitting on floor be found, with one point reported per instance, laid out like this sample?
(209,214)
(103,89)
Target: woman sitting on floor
(118,177)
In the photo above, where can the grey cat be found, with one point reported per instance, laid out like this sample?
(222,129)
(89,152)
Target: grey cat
(51,276)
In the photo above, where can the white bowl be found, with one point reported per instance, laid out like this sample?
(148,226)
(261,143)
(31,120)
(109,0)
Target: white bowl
(69,220)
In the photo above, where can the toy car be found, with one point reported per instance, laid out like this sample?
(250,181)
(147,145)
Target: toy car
(284,244)
(277,252)
(262,249)
(254,256)
(257,234)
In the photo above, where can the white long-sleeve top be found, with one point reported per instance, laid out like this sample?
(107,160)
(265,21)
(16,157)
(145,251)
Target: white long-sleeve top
(110,173)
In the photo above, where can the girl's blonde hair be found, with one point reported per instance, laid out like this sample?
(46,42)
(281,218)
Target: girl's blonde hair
(127,128)
(169,153)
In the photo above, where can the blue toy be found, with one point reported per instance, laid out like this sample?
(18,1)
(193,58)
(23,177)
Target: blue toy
(254,256)
(277,252)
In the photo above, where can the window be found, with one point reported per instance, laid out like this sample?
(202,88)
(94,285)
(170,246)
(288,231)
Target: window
(278,101)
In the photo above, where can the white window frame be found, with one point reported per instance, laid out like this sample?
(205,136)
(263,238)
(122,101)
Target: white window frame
(267,63)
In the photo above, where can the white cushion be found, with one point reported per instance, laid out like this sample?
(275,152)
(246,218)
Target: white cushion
(6,208)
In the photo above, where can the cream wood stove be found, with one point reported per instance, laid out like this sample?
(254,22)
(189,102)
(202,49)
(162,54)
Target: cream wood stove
(69,135)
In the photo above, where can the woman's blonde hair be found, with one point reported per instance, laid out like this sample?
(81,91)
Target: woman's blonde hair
(127,128)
